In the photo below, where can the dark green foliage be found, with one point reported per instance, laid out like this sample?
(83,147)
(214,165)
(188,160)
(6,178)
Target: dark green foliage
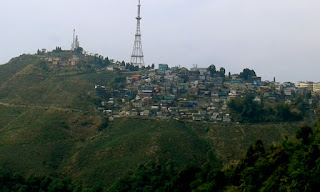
(9,182)
(120,79)
(41,52)
(254,153)
(164,177)
(104,125)
(209,180)
(15,65)
(57,50)
(291,166)
(216,73)
(304,133)
(119,82)
(131,67)
(247,110)
(222,72)
(79,50)
(149,177)
(123,63)
(182,181)
(106,61)
(212,70)
(283,112)
(102,93)
(247,74)
(44,66)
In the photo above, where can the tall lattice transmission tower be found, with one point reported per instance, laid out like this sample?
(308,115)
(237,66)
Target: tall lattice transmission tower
(137,58)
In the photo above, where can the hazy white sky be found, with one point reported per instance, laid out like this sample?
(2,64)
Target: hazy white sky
(274,37)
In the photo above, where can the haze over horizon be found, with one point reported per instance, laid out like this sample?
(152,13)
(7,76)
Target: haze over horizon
(275,38)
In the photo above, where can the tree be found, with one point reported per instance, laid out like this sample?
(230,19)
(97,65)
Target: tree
(79,50)
(212,70)
(222,72)
(247,74)
(304,134)
(284,113)
(41,52)
(246,110)
(57,50)
(106,61)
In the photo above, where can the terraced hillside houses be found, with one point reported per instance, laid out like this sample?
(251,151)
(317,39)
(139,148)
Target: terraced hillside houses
(195,94)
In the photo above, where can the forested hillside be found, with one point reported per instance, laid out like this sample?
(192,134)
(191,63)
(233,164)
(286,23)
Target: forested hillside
(293,165)
(52,137)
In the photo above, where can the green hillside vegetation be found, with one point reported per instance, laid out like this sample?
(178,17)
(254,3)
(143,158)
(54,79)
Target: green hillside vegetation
(127,143)
(40,84)
(292,165)
(10,182)
(50,128)
(102,159)
(13,66)
(246,110)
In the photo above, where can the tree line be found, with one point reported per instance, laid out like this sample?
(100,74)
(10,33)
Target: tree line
(293,165)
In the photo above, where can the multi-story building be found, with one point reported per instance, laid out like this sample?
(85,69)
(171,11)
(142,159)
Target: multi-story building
(316,87)
(163,67)
(308,85)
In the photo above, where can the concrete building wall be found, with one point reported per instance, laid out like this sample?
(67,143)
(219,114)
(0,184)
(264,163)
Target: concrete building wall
(316,87)
(307,85)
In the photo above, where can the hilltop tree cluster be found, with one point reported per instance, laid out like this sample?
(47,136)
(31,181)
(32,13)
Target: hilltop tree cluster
(216,73)
(247,74)
(246,110)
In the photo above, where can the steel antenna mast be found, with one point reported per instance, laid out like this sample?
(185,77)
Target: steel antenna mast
(137,58)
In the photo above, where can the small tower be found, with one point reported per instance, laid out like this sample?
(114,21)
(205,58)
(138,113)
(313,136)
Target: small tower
(75,42)
(137,58)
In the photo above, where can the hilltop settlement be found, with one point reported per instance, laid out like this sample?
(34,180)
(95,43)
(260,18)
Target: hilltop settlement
(195,94)
(198,94)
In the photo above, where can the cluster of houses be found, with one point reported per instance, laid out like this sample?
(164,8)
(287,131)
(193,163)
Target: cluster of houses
(57,61)
(194,94)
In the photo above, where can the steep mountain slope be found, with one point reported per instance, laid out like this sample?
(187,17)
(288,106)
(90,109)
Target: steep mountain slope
(35,85)
(15,65)
(49,125)
(45,113)
(127,143)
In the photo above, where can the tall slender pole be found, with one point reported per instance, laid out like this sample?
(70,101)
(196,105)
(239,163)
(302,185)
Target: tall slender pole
(73,40)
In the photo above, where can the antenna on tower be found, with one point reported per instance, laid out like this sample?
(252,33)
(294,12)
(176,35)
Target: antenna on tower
(75,42)
(137,58)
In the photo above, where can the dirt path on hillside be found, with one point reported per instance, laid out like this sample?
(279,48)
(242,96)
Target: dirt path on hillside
(40,107)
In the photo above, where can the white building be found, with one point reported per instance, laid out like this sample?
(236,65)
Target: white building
(308,85)
(316,87)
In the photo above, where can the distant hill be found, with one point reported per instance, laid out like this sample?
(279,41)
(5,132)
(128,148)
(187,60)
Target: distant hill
(49,125)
